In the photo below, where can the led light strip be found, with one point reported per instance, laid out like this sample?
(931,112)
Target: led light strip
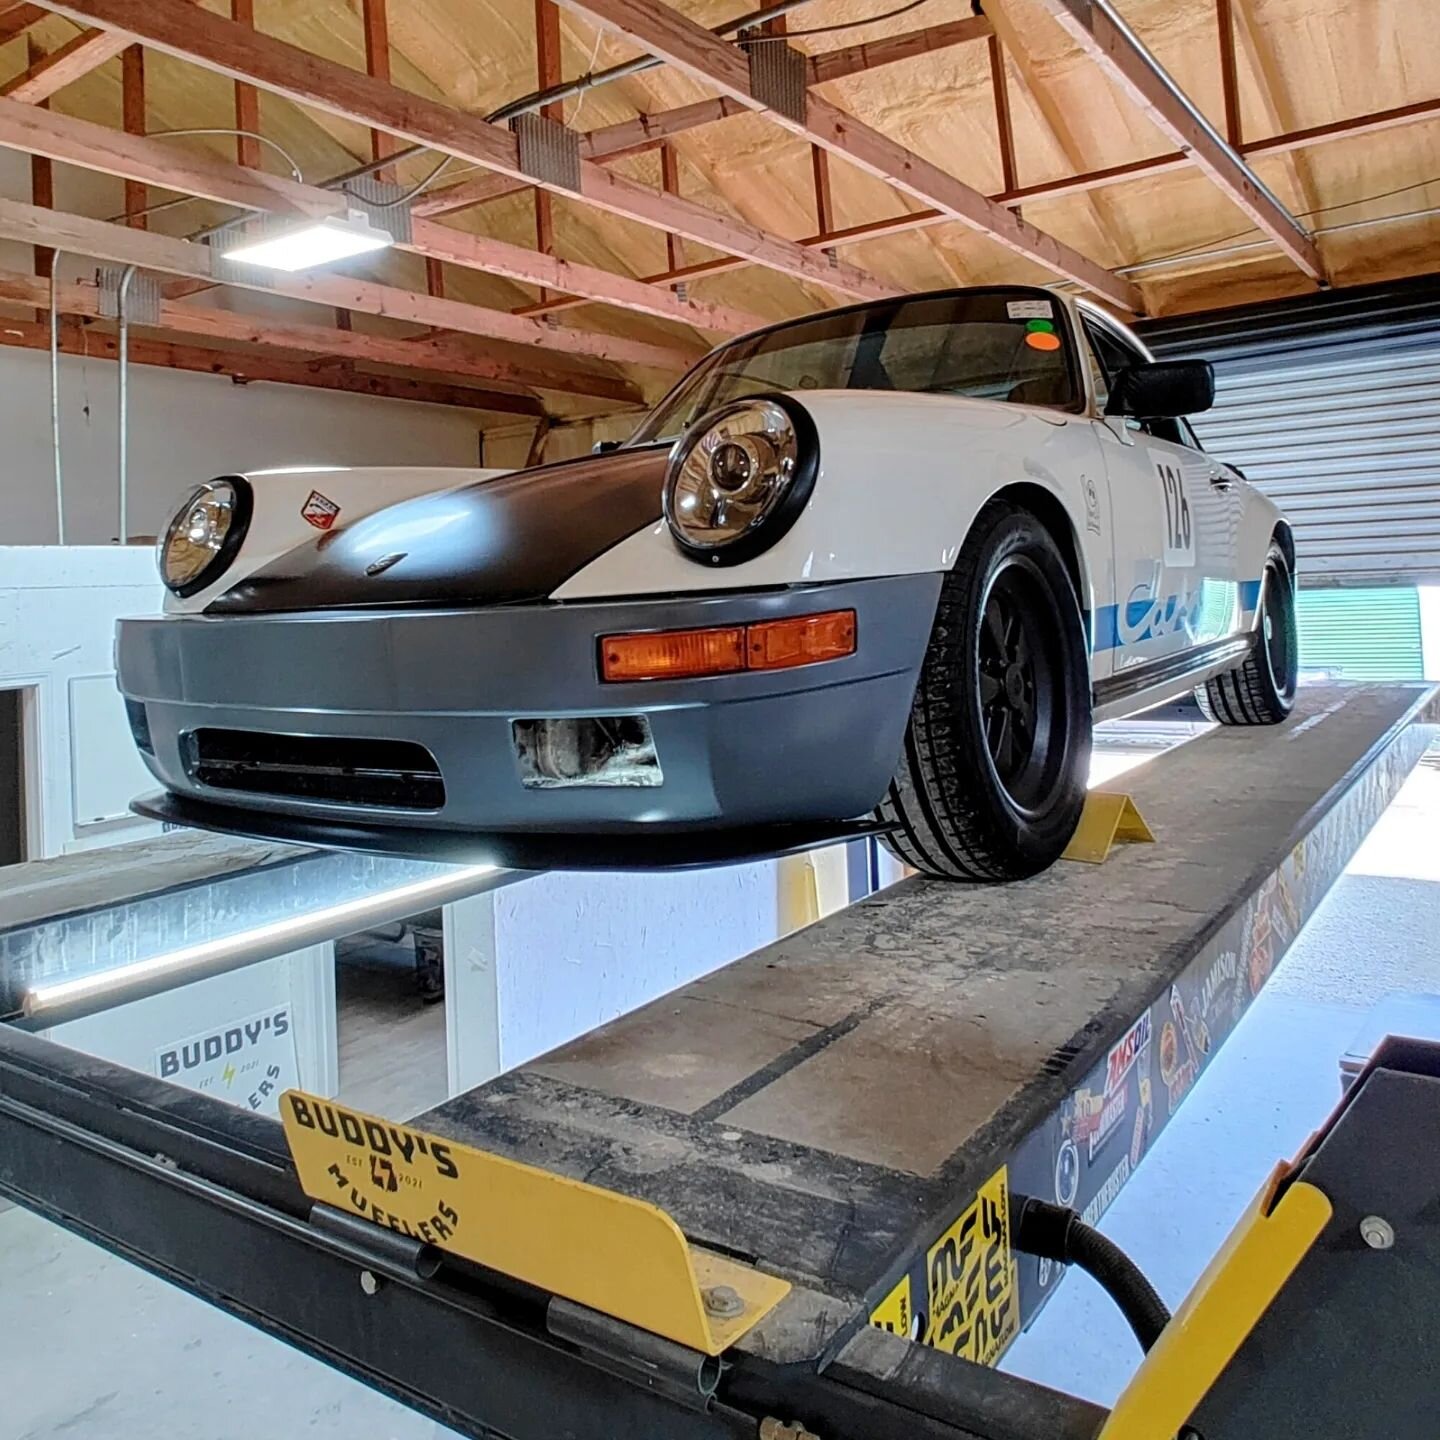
(230,952)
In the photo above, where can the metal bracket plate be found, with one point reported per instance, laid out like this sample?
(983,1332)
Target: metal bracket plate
(548,151)
(377,199)
(620,1256)
(777,77)
(142,297)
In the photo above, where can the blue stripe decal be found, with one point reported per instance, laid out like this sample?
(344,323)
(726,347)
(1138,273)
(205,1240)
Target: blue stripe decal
(1105,620)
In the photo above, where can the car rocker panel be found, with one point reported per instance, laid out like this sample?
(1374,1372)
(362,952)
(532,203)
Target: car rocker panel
(725,630)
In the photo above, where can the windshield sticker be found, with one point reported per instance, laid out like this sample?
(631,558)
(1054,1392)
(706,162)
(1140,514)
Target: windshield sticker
(1029,309)
(1040,340)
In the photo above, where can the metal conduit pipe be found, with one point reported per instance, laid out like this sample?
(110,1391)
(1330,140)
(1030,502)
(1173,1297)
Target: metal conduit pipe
(1191,109)
(123,358)
(55,258)
(569,88)
(1170,261)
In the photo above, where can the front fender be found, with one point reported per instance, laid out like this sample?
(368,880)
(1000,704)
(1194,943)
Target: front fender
(902,478)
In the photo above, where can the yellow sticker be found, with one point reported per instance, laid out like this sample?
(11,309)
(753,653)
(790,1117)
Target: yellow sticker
(973,1306)
(893,1312)
(611,1252)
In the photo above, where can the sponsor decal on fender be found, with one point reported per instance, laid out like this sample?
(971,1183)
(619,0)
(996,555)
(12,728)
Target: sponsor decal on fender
(319,510)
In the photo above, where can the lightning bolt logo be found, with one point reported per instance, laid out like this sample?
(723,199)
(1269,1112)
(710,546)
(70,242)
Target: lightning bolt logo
(228,1074)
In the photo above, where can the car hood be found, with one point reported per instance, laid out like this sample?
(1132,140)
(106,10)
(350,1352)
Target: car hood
(500,541)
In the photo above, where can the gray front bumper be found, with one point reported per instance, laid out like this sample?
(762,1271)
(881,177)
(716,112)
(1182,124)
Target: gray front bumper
(814,744)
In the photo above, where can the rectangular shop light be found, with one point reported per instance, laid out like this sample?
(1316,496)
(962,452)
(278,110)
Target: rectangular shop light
(321,242)
(726,650)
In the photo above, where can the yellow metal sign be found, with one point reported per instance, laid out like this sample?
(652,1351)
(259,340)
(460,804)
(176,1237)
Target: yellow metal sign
(615,1254)
(973,1303)
(894,1312)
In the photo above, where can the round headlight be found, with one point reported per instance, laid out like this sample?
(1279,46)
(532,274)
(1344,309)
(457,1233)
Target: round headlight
(739,477)
(203,538)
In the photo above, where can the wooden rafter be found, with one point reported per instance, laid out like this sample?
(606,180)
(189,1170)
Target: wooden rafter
(132,105)
(247,97)
(665,32)
(1056,123)
(646,132)
(245,369)
(30,225)
(15,19)
(82,298)
(86,52)
(547,73)
(1148,168)
(375,19)
(872,54)
(1120,54)
(42,187)
(217,44)
(162,163)
(1274,101)
(1004,130)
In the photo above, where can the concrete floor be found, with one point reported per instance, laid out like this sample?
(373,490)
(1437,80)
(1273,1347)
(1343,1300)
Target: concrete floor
(97,1350)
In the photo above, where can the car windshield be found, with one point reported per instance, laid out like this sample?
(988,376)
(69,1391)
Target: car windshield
(1004,344)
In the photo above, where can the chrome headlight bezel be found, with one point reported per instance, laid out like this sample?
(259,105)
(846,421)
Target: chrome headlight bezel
(792,470)
(234,494)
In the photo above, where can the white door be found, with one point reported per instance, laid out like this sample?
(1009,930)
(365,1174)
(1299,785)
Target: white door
(1176,521)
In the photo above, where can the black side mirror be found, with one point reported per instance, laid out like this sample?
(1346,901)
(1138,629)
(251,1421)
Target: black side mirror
(604,447)
(1162,389)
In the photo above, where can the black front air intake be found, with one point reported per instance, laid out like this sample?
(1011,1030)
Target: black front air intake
(505,541)
(345,770)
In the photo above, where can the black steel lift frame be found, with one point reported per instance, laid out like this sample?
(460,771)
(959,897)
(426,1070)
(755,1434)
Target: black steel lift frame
(207,1197)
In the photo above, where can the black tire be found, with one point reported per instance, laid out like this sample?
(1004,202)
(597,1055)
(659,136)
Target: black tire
(962,806)
(1261,690)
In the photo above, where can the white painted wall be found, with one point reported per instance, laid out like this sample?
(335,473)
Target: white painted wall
(1430,629)
(58,609)
(535,964)
(243,1005)
(185,428)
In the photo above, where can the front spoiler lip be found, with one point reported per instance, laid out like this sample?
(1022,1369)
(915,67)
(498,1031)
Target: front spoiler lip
(640,847)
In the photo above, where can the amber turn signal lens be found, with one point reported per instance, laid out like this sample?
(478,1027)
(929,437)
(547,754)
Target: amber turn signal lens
(769,645)
(780,644)
(673,654)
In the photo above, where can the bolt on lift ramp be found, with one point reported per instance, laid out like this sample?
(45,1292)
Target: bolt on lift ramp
(778,1197)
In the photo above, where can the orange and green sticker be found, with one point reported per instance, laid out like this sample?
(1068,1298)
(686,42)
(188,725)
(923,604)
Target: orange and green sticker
(1041,340)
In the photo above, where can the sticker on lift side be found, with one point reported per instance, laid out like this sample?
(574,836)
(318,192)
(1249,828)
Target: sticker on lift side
(387,1173)
(894,1313)
(974,1308)
(966,1281)
(319,510)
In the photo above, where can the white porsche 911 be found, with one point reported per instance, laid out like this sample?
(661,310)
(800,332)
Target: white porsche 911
(879,568)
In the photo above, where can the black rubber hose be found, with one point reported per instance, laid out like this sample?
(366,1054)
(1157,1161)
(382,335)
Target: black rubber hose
(1055,1233)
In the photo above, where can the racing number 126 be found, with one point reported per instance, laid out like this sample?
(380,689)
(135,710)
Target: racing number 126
(1178,541)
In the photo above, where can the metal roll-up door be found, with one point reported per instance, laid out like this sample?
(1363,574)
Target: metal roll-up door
(1354,634)
(1331,405)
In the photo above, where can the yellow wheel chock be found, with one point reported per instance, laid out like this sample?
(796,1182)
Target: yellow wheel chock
(1109,819)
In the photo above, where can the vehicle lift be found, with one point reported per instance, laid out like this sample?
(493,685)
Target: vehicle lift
(801,1197)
